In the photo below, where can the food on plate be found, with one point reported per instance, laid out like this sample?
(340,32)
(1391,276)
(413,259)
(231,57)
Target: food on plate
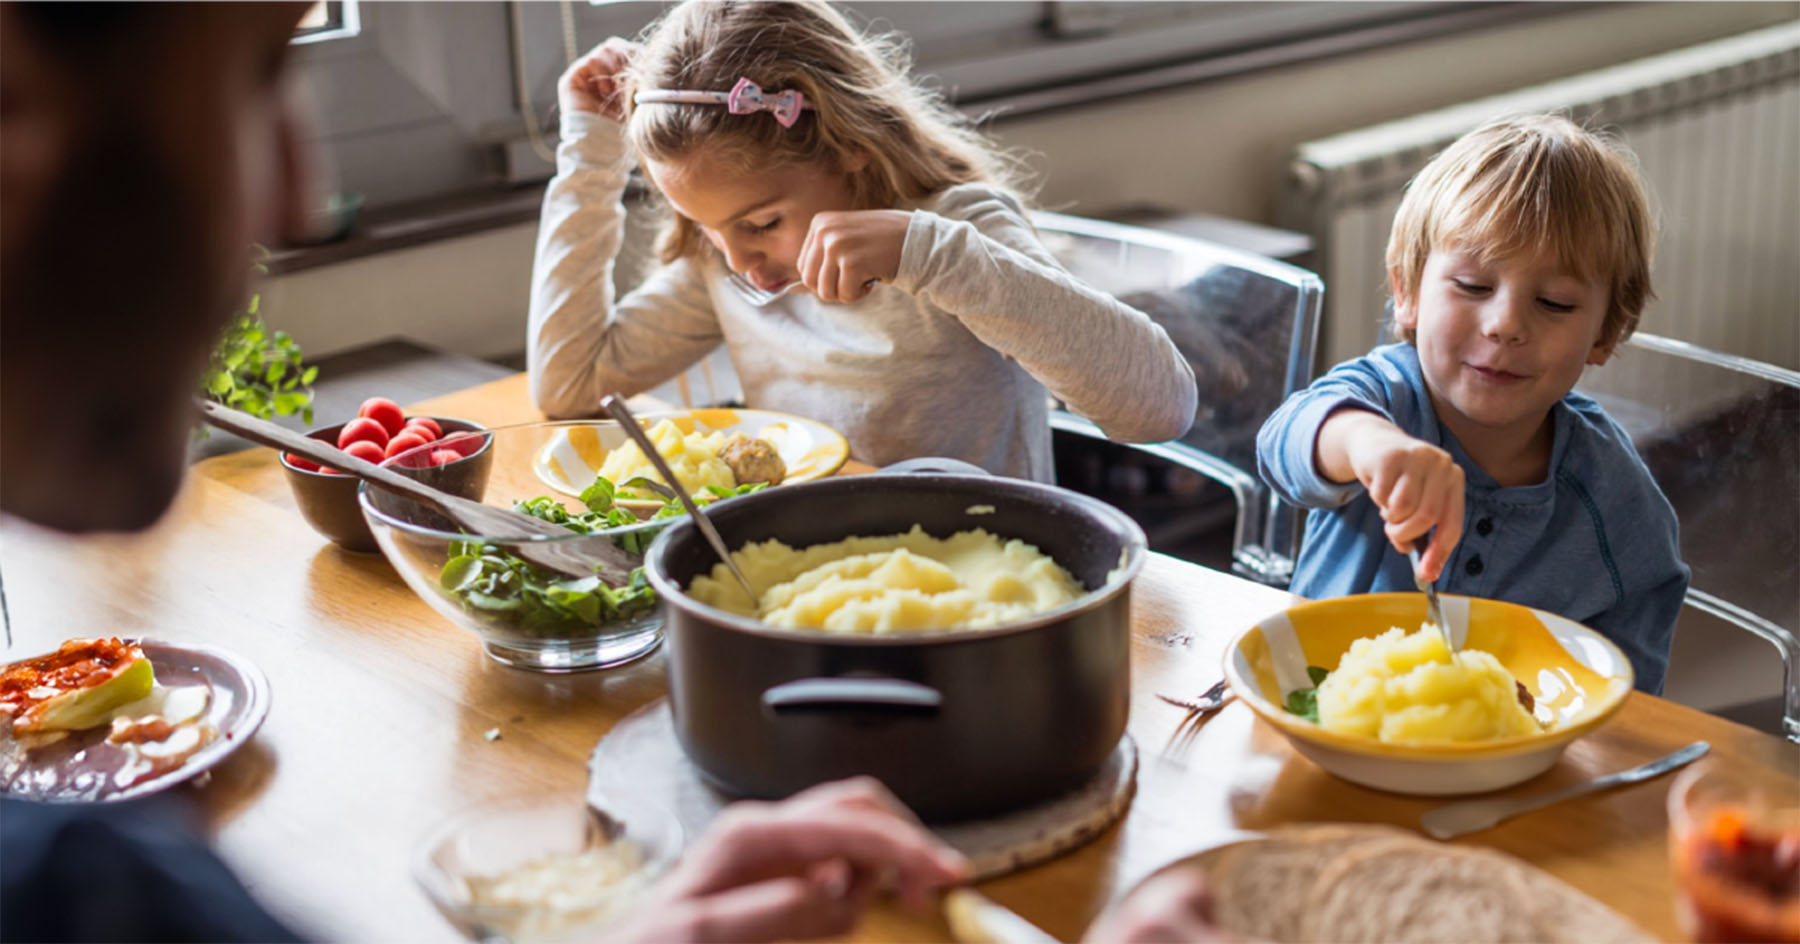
(94,706)
(550,896)
(1341,882)
(752,459)
(703,462)
(893,583)
(693,457)
(75,687)
(1409,687)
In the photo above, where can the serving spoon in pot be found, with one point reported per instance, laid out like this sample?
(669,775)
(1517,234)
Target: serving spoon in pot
(615,405)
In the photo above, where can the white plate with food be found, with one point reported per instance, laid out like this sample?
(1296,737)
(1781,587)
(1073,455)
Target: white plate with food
(105,720)
(722,448)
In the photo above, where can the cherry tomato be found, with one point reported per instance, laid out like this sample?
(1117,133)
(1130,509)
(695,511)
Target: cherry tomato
(444,456)
(366,450)
(427,422)
(300,463)
(406,440)
(383,411)
(363,429)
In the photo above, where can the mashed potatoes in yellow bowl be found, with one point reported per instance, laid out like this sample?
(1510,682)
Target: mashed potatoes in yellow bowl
(897,583)
(1399,716)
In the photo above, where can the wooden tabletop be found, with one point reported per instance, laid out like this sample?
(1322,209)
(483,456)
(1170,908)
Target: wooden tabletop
(380,707)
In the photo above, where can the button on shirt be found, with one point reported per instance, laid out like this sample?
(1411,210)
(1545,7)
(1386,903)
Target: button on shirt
(1595,542)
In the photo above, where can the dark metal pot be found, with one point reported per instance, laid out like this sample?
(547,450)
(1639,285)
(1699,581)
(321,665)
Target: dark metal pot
(958,724)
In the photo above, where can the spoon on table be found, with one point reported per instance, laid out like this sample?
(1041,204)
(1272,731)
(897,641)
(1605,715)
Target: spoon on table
(615,405)
(1433,611)
(612,564)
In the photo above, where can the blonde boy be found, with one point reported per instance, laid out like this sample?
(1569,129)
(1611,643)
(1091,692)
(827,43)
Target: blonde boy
(1519,256)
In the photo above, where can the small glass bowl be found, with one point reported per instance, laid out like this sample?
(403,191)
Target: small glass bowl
(536,871)
(1735,855)
(559,626)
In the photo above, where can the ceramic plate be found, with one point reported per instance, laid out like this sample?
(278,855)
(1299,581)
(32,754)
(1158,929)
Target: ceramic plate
(811,450)
(80,768)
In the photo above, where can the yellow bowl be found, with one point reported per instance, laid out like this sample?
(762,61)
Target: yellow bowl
(1578,677)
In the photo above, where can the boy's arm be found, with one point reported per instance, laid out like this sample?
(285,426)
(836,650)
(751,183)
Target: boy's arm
(580,346)
(1335,435)
(981,260)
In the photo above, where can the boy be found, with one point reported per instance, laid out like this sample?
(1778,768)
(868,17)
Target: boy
(1518,256)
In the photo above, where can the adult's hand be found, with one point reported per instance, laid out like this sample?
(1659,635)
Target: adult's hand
(805,867)
(1171,906)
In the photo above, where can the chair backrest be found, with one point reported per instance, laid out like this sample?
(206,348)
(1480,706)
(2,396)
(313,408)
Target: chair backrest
(1721,434)
(1248,325)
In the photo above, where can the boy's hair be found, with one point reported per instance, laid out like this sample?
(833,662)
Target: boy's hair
(1533,183)
(858,93)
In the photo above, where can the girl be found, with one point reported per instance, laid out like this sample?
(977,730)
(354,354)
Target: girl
(920,314)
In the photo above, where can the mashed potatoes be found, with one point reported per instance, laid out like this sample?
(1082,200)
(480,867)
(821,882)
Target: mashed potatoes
(694,458)
(897,583)
(1407,687)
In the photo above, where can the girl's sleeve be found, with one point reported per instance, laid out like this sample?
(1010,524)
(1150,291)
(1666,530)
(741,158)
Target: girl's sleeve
(1287,443)
(581,346)
(978,258)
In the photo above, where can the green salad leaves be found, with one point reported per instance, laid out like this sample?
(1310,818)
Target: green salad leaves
(488,580)
(1305,701)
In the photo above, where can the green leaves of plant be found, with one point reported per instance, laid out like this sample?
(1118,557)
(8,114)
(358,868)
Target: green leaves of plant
(257,370)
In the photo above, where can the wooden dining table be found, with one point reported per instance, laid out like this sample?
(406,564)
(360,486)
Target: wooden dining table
(386,719)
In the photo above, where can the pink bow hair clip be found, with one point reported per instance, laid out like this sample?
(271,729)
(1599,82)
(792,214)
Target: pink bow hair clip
(745,98)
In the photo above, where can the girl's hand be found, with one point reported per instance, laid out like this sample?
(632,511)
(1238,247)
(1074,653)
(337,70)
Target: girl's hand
(847,251)
(1417,486)
(595,83)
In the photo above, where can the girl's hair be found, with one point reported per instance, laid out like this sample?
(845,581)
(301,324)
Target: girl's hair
(1530,184)
(859,96)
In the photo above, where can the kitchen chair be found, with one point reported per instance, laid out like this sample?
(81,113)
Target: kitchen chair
(1248,324)
(1719,434)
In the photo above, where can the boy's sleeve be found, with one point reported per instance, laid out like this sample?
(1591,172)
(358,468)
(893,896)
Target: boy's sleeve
(580,346)
(980,259)
(1644,625)
(1286,444)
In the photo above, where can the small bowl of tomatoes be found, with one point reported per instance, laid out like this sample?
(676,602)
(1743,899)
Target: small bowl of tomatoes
(449,454)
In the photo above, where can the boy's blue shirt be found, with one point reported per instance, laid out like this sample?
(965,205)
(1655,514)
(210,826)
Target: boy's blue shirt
(1595,542)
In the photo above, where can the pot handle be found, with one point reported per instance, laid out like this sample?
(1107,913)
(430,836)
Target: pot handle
(929,464)
(831,694)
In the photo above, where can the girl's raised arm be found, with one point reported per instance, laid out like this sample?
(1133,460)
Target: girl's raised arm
(977,257)
(580,344)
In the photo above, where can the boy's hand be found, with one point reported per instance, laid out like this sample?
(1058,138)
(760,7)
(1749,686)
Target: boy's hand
(847,251)
(1417,486)
(595,83)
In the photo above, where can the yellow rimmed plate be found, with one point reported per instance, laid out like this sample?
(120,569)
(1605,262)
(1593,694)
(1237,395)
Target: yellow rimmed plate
(810,449)
(1578,677)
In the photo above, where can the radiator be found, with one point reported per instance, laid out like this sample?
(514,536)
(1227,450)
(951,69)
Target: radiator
(1716,128)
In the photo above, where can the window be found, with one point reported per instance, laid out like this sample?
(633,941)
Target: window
(418,99)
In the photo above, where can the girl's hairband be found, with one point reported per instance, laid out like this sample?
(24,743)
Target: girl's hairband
(746,97)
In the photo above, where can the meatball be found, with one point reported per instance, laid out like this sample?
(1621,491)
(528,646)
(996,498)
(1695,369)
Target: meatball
(753,460)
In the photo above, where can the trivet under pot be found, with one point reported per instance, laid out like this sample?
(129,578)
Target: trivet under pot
(640,756)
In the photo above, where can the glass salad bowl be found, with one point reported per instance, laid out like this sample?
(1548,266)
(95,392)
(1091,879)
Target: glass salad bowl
(527,616)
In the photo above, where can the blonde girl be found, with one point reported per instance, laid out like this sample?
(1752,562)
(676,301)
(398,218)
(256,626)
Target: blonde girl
(918,312)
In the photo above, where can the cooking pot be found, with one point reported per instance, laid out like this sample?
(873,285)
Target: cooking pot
(958,723)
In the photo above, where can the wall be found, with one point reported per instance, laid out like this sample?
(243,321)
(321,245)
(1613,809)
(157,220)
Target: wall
(1217,148)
